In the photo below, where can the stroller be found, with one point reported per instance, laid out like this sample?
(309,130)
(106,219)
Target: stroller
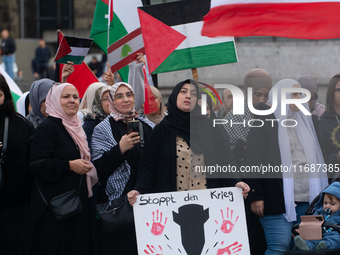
(325,226)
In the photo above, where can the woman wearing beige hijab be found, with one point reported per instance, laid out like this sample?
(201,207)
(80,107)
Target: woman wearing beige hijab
(157,117)
(86,105)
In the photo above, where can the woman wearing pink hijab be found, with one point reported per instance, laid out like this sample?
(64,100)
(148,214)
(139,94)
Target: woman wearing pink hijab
(59,159)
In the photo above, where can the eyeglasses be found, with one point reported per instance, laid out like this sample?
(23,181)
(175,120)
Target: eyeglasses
(121,96)
(104,99)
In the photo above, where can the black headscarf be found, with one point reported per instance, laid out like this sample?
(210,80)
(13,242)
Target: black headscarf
(177,121)
(202,137)
(3,109)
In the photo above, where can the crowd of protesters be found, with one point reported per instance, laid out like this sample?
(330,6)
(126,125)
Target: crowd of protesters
(57,143)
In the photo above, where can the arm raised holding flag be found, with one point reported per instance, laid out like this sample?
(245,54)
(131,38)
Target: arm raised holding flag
(109,77)
(67,70)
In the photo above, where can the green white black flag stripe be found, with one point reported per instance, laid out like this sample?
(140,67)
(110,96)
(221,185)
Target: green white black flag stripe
(196,50)
(73,49)
(15,90)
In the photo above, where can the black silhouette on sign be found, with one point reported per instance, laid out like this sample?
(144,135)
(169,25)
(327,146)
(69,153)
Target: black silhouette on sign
(191,219)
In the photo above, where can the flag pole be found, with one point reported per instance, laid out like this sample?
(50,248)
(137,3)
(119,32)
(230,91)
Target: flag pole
(57,65)
(108,24)
(195,74)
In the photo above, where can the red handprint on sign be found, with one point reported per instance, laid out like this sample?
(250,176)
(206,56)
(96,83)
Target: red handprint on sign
(157,227)
(231,249)
(153,250)
(227,224)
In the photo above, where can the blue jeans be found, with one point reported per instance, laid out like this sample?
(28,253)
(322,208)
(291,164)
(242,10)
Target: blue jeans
(9,61)
(277,231)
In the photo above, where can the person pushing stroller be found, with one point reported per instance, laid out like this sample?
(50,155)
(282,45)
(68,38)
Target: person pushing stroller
(328,206)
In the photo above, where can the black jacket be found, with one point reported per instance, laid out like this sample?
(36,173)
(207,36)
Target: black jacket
(7,46)
(262,147)
(158,167)
(42,56)
(123,242)
(112,159)
(52,148)
(330,132)
(17,178)
(88,127)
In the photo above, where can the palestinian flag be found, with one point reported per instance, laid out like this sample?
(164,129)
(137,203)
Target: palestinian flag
(125,50)
(15,90)
(181,20)
(82,76)
(73,49)
(124,21)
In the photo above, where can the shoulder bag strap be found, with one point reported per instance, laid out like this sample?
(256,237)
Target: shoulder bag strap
(4,145)
(42,196)
(141,134)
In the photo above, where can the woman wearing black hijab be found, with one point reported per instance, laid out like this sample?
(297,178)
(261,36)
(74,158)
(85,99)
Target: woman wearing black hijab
(17,180)
(167,164)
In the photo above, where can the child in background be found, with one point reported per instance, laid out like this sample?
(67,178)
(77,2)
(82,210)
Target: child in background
(328,206)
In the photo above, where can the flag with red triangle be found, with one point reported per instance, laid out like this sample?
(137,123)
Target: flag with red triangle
(166,41)
(150,105)
(173,41)
(73,49)
(82,75)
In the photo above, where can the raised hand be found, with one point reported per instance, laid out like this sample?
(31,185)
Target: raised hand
(109,77)
(67,70)
(140,58)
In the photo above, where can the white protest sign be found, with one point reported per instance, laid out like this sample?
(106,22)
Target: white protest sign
(195,222)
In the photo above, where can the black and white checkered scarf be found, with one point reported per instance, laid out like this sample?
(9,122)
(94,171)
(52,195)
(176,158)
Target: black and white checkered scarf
(103,141)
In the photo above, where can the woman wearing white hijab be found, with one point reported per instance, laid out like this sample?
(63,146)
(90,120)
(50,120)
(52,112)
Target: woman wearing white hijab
(23,104)
(157,117)
(278,200)
(100,109)
(86,104)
